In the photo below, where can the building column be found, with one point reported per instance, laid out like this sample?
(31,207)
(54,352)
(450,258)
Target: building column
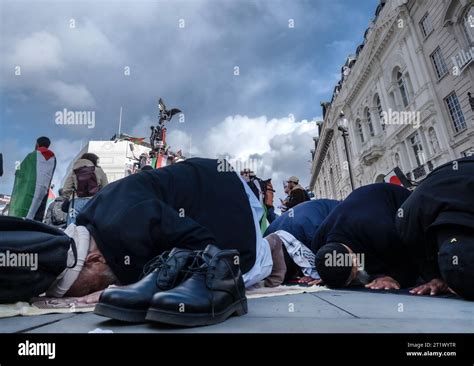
(365,128)
(408,156)
(376,120)
(426,139)
(427,151)
(416,73)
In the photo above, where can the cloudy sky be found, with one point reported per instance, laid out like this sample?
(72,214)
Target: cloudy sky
(77,54)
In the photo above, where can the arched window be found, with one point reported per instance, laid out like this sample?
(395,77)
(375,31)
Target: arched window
(433,140)
(469,25)
(378,104)
(402,87)
(360,131)
(369,122)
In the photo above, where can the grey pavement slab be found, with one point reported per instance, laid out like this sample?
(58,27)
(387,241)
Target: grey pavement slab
(320,312)
(24,323)
(83,323)
(389,306)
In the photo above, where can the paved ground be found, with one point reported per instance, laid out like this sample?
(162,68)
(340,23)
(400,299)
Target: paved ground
(321,312)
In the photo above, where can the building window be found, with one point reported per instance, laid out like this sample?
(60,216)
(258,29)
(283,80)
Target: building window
(469,25)
(380,112)
(426,25)
(402,86)
(417,148)
(455,111)
(433,140)
(360,131)
(369,123)
(468,153)
(439,63)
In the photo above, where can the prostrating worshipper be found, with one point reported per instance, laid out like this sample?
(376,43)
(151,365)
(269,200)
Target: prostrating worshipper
(290,237)
(437,221)
(32,182)
(358,243)
(185,232)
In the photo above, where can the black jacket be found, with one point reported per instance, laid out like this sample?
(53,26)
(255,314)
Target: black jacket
(365,221)
(186,205)
(446,196)
(297,195)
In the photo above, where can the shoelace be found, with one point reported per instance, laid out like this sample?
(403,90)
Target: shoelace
(157,262)
(197,266)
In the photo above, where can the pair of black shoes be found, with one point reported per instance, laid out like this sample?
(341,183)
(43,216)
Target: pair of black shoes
(181,287)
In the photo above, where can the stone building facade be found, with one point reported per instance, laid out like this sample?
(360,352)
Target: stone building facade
(403,98)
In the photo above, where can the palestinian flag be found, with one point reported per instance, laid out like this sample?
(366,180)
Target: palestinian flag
(32,181)
(51,197)
(397,177)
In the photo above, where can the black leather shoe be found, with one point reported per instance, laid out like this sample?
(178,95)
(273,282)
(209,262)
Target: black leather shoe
(214,291)
(130,303)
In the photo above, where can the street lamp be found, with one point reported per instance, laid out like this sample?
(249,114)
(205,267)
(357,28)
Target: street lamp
(342,126)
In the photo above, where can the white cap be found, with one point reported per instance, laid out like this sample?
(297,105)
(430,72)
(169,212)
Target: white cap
(66,279)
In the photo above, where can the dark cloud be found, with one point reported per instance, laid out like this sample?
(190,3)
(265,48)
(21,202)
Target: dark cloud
(282,70)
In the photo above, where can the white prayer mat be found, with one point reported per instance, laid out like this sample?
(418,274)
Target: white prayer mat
(45,305)
(49,305)
(259,292)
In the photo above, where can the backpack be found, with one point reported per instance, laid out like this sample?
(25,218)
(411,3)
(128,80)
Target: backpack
(33,255)
(87,184)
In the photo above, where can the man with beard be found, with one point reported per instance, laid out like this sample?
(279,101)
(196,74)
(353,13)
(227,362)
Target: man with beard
(188,206)
(437,221)
(358,243)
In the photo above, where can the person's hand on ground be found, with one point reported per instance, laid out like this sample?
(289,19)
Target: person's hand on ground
(434,287)
(310,281)
(92,298)
(383,283)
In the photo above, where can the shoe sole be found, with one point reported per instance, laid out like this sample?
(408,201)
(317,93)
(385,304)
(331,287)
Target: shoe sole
(122,314)
(238,308)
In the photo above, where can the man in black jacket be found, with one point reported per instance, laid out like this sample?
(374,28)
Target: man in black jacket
(359,244)
(297,194)
(437,222)
(188,205)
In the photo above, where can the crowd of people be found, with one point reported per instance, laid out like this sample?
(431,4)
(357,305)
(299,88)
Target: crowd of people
(182,243)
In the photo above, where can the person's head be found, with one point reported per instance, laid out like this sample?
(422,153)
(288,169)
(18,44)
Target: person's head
(292,182)
(60,191)
(93,158)
(338,266)
(43,141)
(456,258)
(245,174)
(95,274)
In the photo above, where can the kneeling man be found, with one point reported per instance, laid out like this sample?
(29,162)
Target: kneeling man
(358,243)
(190,205)
(437,221)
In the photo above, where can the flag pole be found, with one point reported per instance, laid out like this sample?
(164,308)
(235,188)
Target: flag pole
(120,123)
